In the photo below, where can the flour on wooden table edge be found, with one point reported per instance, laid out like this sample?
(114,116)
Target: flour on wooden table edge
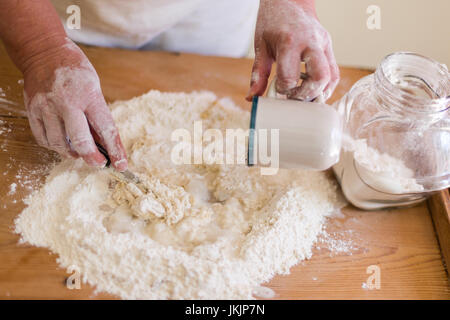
(204,232)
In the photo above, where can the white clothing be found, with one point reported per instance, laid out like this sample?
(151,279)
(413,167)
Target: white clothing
(212,27)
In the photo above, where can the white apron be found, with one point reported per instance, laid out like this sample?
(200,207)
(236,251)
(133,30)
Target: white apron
(211,27)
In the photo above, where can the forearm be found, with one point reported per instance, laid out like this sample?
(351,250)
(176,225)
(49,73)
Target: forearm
(28,28)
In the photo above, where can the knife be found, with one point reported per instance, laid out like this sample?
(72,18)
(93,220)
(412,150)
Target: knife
(127,174)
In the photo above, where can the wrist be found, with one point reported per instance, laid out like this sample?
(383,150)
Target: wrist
(307,5)
(39,69)
(36,50)
(61,52)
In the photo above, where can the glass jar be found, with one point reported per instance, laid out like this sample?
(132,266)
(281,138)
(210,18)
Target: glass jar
(396,140)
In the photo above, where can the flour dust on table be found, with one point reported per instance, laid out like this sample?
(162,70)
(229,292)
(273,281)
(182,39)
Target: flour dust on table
(194,231)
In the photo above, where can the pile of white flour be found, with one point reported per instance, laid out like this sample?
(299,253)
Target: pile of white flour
(206,231)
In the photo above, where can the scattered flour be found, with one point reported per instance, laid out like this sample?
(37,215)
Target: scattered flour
(337,243)
(12,188)
(8,105)
(4,128)
(194,231)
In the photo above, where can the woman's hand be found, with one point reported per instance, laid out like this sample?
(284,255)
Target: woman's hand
(288,32)
(66,107)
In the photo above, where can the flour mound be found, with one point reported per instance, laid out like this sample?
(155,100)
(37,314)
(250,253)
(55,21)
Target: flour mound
(198,232)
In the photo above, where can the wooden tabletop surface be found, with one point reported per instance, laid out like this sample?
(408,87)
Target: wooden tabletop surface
(402,243)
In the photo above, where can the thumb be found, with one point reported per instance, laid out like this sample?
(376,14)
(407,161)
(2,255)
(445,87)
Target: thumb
(260,72)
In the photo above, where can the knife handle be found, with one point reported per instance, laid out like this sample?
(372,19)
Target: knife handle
(104,153)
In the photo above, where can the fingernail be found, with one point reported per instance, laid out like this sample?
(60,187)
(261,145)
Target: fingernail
(249,95)
(121,165)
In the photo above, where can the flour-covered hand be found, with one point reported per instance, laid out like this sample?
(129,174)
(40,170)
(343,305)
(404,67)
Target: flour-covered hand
(288,32)
(66,108)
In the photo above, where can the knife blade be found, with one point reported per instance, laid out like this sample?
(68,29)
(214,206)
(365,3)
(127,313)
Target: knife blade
(127,174)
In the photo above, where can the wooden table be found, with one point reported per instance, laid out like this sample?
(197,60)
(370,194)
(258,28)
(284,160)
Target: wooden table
(402,243)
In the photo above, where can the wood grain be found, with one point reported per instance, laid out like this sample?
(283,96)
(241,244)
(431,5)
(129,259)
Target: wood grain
(439,206)
(401,242)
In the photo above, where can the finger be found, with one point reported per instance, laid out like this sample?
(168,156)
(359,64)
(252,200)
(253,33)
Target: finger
(77,129)
(260,71)
(318,72)
(288,67)
(38,129)
(334,72)
(56,134)
(34,107)
(100,118)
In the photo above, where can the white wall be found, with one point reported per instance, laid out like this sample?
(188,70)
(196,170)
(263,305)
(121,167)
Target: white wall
(421,26)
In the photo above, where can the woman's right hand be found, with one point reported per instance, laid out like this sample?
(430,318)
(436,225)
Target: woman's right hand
(66,107)
(288,32)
